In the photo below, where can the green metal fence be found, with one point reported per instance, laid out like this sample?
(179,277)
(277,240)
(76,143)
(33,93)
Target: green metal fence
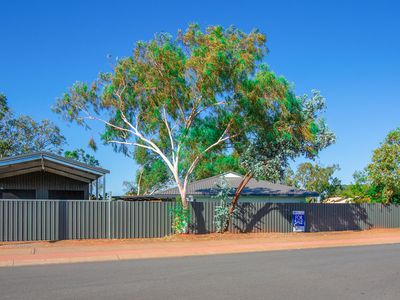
(27,220)
(274,217)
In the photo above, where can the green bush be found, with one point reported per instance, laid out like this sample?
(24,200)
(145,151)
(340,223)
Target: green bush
(221,215)
(221,212)
(180,217)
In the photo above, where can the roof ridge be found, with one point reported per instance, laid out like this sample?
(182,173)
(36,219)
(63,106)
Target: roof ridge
(284,185)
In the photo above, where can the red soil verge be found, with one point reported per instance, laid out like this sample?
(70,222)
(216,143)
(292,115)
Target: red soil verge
(32,253)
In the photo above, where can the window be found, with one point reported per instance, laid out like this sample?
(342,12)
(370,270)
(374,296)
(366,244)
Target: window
(66,195)
(17,194)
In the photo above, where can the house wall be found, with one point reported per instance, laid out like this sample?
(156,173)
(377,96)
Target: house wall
(42,182)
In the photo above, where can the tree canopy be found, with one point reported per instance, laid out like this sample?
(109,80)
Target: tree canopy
(314,177)
(82,156)
(22,134)
(181,98)
(384,170)
(380,180)
(360,190)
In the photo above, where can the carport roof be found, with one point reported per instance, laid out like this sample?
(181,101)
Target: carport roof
(49,162)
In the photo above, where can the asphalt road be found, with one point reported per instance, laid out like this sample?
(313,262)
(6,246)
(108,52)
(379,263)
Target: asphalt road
(371,272)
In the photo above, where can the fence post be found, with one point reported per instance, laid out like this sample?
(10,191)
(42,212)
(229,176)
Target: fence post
(109,219)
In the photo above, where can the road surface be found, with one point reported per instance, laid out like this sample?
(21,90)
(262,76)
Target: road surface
(368,272)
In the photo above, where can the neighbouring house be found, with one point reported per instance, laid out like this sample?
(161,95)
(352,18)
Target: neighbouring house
(43,175)
(205,190)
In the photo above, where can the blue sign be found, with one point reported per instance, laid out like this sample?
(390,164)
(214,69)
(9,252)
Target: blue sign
(298,221)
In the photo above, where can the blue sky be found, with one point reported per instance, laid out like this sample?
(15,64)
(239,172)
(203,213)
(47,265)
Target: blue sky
(349,50)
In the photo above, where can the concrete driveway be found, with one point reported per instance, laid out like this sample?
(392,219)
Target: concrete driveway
(366,272)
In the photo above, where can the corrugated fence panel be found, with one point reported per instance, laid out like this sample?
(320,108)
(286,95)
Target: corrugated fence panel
(26,220)
(276,217)
(140,219)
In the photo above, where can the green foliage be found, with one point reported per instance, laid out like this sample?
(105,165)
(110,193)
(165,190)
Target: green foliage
(380,180)
(4,109)
(289,177)
(179,98)
(22,134)
(152,175)
(296,129)
(361,190)
(221,213)
(314,177)
(384,170)
(82,156)
(130,188)
(180,217)
(215,163)
(198,98)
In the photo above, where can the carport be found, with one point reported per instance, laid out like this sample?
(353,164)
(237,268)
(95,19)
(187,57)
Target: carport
(43,175)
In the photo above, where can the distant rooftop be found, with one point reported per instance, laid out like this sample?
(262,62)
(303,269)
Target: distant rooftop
(206,187)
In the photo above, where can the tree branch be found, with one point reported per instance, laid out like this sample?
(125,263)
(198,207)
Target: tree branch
(221,139)
(164,117)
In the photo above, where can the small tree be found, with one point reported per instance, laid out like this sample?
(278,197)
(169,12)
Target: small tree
(316,178)
(180,217)
(380,180)
(22,134)
(384,170)
(360,190)
(223,194)
(81,156)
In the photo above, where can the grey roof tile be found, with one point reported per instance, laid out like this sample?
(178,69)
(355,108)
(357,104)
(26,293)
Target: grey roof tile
(206,187)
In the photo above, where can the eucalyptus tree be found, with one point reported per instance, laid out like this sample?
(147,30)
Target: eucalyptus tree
(180,98)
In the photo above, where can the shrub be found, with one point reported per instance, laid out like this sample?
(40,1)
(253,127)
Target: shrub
(221,212)
(180,217)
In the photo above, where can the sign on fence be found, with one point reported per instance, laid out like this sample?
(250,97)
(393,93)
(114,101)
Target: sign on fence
(298,221)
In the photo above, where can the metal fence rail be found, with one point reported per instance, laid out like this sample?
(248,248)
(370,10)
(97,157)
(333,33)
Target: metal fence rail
(28,220)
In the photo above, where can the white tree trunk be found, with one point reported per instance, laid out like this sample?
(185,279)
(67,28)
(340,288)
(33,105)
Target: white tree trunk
(182,192)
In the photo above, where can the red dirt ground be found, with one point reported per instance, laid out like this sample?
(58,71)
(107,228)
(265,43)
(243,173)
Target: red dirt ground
(28,253)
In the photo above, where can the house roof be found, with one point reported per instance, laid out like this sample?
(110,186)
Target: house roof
(49,162)
(143,198)
(206,187)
